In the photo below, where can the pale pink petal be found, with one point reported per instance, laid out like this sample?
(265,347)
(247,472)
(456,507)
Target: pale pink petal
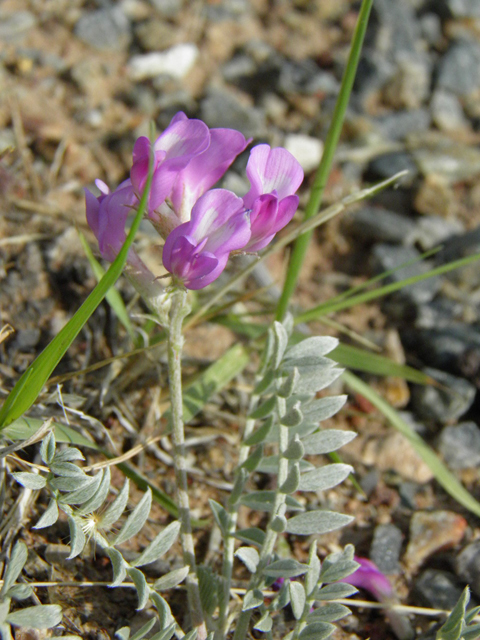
(272,170)
(204,170)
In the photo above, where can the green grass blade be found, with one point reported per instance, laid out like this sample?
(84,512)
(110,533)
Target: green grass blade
(381,276)
(28,387)
(113,297)
(363,360)
(330,307)
(333,136)
(443,476)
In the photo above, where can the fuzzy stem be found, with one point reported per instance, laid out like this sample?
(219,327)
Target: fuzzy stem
(279,509)
(178,312)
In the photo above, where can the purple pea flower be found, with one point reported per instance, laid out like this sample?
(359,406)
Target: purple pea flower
(196,252)
(370,578)
(274,176)
(181,141)
(201,226)
(107,214)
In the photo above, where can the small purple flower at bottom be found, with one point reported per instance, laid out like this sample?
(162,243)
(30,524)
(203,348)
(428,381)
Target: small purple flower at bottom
(370,578)
(196,252)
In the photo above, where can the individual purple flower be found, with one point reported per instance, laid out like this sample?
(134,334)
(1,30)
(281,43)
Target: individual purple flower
(107,214)
(370,578)
(206,169)
(181,141)
(196,252)
(274,176)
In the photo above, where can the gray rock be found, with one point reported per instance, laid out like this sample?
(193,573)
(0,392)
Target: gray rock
(461,246)
(460,445)
(462,8)
(15,25)
(437,589)
(467,566)
(445,403)
(430,231)
(400,124)
(304,77)
(439,313)
(388,164)
(455,348)
(221,108)
(386,257)
(105,29)
(453,161)
(431,27)
(397,27)
(374,71)
(252,76)
(410,85)
(386,548)
(168,8)
(375,224)
(26,339)
(227,10)
(459,69)
(447,112)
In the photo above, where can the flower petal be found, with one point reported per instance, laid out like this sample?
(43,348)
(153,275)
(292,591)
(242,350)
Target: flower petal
(204,170)
(272,170)
(269,216)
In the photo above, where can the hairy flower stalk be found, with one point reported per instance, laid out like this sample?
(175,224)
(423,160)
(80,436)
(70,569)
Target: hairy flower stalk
(178,312)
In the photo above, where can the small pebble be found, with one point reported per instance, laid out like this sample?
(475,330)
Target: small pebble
(444,403)
(467,566)
(104,29)
(386,547)
(437,589)
(376,224)
(459,68)
(447,112)
(308,151)
(460,445)
(175,62)
(432,531)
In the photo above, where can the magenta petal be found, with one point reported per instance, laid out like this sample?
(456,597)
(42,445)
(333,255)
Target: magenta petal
(204,280)
(272,170)
(204,170)
(370,578)
(92,206)
(181,141)
(213,210)
(196,252)
(113,213)
(268,217)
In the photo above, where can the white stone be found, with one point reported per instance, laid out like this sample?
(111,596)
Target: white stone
(176,62)
(308,151)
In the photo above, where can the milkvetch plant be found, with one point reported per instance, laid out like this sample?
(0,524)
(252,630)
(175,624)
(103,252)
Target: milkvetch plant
(201,226)
(172,183)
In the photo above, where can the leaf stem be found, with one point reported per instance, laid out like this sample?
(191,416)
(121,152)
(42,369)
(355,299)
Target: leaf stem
(179,310)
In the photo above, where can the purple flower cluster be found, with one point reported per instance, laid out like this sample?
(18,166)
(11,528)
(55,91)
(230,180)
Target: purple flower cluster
(201,226)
